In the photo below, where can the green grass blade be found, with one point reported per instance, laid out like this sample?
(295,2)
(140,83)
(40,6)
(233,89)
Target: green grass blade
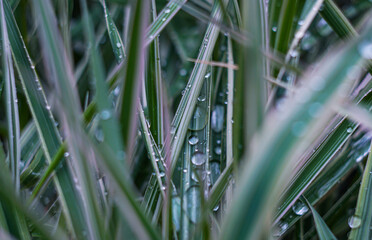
(114,35)
(337,20)
(248,222)
(11,103)
(133,77)
(163,19)
(324,232)
(361,222)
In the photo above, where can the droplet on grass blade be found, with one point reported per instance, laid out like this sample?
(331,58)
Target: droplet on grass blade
(354,222)
(198,158)
(193,140)
(300,208)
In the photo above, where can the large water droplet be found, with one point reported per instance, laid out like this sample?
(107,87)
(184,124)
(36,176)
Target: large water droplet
(300,208)
(354,221)
(193,140)
(217,118)
(199,158)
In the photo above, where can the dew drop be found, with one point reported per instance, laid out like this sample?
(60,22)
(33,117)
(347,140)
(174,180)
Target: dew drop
(99,135)
(201,98)
(32,66)
(198,158)
(163,19)
(193,140)
(354,222)
(167,10)
(349,130)
(274,29)
(208,75)
(161,174)
(118,45)
(215,209)
(280,229)
(105,114)
(300,208)
(218,150)
(66,154)
(183,72)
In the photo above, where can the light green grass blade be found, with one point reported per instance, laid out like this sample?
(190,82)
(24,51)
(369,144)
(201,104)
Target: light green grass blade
(164,17)
(361,222)
(114,35)
(11,103)
(261,174)
(324,232)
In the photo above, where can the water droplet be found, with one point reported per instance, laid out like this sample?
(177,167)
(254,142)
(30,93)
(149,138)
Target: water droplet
(198,158)
(167,10)
(217,150)
(215,209)
(66,154)
(349,130)
(184,170)
(201,98)
(161,174)
(32,66)
(301,22)
(300,208)
(293,53)
(105,114)
(365,50)
(280,229)
(183,72)
(217,118)
(274,29)
(118,45)
(208,75)
(354,222)
(99,135)
(193,140)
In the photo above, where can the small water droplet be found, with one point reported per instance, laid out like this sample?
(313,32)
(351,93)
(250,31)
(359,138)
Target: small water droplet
(118,45)
(217,150)
(105,114)
(349,130)
(193,140)
(47,107)
(66,154)
(198,158)
(183,72)
(201,98)
(293,53)
(354,222)
(161,174)
(300,208)
(163,19)
(32,66)
(208,75)
(274,29)
(215,209)
(99,135)
(280,229)
(167,10)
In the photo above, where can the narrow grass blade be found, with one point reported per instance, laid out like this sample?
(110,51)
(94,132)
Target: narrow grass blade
(134,75)
(261,174)
(114,35)
(163,19)
(324,232)
(11,102)
(361,222)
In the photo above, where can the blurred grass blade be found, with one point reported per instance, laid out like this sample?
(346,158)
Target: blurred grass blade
(134,74)
(11,103)
(361,222)
(337,20)
(285,140)
(324,232)
(114,35)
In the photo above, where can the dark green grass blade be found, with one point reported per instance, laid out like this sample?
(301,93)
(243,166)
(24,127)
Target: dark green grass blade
(324,232)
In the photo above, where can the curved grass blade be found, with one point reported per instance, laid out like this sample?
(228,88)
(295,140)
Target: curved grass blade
(114,35)
(246,219)
(362,219)
(324,232)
